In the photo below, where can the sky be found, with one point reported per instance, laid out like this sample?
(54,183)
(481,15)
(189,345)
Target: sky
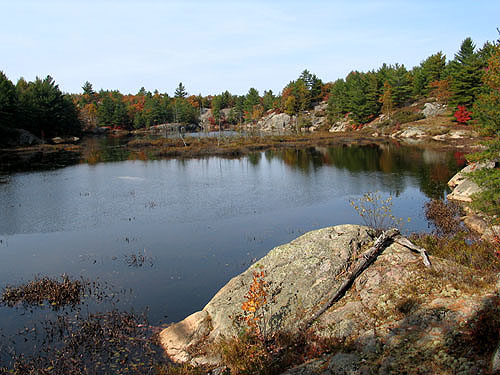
(213,46)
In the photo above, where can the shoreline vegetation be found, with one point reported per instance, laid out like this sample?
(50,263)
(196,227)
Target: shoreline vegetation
(239,145)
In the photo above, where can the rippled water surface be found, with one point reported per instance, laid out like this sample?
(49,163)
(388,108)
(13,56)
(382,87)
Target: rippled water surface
(172,232)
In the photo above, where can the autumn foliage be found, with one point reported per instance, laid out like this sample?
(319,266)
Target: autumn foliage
(440,89)
(255,300)
(462,114)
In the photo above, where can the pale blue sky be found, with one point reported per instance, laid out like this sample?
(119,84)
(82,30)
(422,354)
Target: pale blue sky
(212,46)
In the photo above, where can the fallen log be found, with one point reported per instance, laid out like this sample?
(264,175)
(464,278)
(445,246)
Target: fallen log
(391,235)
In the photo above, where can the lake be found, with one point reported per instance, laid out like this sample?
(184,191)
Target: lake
(172,232)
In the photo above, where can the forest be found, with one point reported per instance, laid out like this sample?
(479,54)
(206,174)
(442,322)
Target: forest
(469,83)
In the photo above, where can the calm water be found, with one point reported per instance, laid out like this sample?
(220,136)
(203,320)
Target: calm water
(197,222)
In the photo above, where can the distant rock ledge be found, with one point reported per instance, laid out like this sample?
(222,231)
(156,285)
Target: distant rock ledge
(396,310)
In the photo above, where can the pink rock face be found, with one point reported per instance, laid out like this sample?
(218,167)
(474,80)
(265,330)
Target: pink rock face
(395,297)
(176,338)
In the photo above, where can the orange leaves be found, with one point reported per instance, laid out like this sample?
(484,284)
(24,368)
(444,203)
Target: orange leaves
(255,300)
(440,90)
(194,101)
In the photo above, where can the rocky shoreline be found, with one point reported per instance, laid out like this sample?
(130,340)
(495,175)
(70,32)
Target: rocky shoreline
(396,311)
(398,315)
(463,190)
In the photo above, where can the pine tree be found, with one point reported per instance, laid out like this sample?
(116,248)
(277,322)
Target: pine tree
(337,102)
(430,70)
(251,99)
(87,88)
(465,74)
(180,91)
(217,105)
(401,88)
(8,102)
(268,100)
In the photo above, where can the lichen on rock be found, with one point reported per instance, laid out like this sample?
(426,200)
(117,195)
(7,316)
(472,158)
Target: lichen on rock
(397,315)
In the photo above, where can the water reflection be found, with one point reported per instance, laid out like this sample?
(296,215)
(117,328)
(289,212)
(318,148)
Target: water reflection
(199,221)
(432,168)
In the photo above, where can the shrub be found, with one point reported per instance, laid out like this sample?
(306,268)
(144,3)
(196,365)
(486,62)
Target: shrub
(462,115)
(376,212)
(445,216)
(254,308)
(462,249)
(248,354)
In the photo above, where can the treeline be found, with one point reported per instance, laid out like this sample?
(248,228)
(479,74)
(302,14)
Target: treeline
(299,95)
(145,109)
(113,109)
(470,82)
(458,82)
(38,107)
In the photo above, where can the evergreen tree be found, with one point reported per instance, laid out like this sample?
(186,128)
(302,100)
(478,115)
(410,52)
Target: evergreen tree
(217,103)
(362,96)
(401,86)
(45,110)
(487,107)
(465,74)
(88,94)
(8,102)
(87,88)
(316,89)
(251,99)
(307,78)
(356,95)
(268,100)
(430,70)
(180,91)
(337,102)
(372,94)
(106,109)
(239,108)
(225,98)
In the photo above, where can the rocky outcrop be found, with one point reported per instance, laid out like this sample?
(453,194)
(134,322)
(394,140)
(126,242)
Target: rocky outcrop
(309,120)
(463,190)
(433,109)
(59,140)
(340,126)
(410,132)
(397,313)
(205,114)
(276,122)
(18,138)
(301,270)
